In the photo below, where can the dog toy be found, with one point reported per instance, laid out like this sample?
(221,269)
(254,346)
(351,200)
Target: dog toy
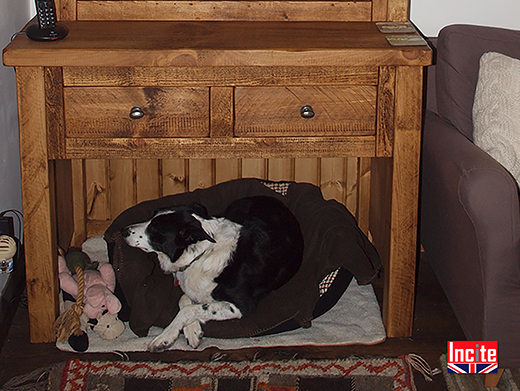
(99,286)
(78,339)
(106,325)
(92,289)
(68,324)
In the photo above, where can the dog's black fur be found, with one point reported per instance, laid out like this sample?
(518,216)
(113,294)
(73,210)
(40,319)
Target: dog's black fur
(267,252)
(172,233)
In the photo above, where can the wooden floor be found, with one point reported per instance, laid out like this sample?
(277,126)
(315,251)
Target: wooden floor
(435,324)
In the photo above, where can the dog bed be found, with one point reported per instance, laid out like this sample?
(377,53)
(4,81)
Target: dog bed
(335,249)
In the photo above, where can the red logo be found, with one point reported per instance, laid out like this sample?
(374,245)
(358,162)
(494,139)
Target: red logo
(472,356)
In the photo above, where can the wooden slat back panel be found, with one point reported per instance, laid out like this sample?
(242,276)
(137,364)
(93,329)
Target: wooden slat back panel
(368,10)
(111,186)
(66,9)
(226,10)
(397,10)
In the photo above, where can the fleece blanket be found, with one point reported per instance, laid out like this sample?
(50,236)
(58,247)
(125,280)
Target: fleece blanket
(356,319)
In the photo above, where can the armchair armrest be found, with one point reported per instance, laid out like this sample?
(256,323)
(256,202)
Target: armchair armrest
(470,229)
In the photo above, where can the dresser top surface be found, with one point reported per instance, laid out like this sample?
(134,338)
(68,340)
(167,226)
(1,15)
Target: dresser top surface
(139,43)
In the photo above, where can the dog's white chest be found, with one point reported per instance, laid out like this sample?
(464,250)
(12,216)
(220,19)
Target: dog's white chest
(197,281)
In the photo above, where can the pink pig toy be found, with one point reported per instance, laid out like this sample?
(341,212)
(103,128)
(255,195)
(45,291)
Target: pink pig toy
(99,288)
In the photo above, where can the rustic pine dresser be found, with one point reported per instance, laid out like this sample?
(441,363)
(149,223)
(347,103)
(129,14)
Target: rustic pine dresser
(152,97)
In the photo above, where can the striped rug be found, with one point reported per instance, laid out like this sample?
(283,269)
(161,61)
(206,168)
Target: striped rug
(353,373)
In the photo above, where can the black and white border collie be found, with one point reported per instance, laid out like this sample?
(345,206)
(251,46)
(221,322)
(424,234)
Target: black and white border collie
(224,265)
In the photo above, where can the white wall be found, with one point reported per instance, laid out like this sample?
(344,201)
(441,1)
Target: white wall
(431,15)
(13,15)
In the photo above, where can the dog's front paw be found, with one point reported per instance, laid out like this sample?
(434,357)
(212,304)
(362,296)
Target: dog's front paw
(166,263)
(193,333)
(162,342)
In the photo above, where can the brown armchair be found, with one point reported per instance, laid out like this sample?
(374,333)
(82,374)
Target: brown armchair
(470,217)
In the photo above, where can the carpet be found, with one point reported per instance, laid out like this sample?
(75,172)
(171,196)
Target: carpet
(353,373)
(355,319)
(509,381)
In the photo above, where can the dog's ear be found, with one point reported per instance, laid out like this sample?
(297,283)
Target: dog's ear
(194,233)
(199,209)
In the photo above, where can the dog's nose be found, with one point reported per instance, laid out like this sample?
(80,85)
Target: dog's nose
(125,232)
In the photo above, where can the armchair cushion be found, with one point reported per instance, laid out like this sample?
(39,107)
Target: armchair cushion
(496,110)
(459,50)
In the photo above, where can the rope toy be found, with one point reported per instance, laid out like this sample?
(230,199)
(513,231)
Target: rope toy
(69,322)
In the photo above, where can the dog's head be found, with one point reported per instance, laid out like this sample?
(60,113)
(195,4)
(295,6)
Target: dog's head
(169,231)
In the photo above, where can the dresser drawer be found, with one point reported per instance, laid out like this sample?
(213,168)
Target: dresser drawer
(305,111)
(136,112)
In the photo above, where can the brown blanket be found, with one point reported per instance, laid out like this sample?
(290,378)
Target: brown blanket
(331,236)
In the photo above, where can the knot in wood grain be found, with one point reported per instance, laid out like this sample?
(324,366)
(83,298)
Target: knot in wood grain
(269,141)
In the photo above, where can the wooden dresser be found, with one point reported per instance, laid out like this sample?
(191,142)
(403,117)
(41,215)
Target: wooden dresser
(146,98)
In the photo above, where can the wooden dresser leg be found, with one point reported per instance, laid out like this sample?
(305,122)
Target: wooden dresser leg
(492,379)
(393,220)
(37,194)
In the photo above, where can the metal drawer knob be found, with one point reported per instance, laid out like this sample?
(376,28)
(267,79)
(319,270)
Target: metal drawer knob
(307,111)
(136,112)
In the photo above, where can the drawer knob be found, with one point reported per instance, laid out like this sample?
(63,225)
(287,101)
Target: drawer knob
(307,111)
(136,112)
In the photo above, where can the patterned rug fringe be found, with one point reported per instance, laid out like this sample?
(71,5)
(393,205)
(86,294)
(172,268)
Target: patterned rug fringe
(123,355)
(37,380)
(420,365)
